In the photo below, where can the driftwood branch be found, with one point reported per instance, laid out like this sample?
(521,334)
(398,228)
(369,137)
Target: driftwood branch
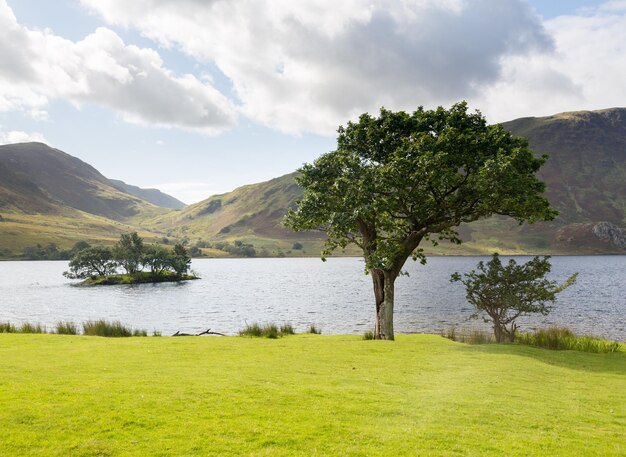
(206,332)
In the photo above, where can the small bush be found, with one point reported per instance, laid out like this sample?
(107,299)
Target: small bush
(156,333)
(27,327)
(103,328)
(287,329)
(469,337)
(140,332)
(560,338)
(314,329)
(254,329)
(267,330)
(368,335)
(7,327)
(66,328)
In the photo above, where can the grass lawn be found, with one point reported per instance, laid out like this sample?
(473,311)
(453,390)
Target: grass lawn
(305,395)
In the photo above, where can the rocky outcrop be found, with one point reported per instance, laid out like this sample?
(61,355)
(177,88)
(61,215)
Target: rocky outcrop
(610,233)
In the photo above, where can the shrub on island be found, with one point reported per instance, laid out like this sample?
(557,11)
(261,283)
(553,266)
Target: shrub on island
(102,265)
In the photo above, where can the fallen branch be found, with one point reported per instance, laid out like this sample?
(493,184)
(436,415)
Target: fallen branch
(206,332)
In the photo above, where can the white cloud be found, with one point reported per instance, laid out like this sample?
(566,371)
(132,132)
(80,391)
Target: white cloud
(187,192)
(309,66)
(17,136)
(586,71)
(38,66)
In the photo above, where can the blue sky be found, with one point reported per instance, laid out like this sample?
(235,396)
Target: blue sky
(203,97)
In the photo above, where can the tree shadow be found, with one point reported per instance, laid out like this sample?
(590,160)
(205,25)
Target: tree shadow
(614,363)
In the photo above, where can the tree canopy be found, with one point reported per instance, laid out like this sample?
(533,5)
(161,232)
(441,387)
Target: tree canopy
(399,178)
(506,292)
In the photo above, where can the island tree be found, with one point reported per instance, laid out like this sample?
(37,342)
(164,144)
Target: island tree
(129,252)
(398,179)
(507,292)
(91,262)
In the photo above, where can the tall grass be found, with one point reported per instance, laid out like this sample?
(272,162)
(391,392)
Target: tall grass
(27,327)
(314,329)
(66,328)
(469,336)
(7,327)
(101,327)
(266,330)
(560,338)
(287,329)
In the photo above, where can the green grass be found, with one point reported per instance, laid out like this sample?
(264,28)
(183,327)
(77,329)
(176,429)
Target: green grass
(558,338)
(27,327)
(114,329)
(305,395)
(8,327)
(265,330)
(471,336)
(66,328)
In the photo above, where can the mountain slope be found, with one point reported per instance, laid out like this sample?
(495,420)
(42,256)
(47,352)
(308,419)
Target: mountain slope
(585,177)
(37,179)
(48,196)
(154,196)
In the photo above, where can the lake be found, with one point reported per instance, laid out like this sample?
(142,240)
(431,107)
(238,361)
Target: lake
(335,296)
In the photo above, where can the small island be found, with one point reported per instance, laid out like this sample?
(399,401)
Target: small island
(139,264)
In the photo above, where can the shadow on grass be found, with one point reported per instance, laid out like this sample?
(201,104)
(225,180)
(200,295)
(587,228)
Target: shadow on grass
(583,361)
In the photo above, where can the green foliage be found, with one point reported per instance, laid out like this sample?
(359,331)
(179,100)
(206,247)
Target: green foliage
(128,252)
(368,336)
(398,179)
(506,292)
(99,264)
(313,329)
(558,338)
(269,330)
(27,327)
(7,327)
(157,258)
(237,248)
(66,328)
(287,329)
(91,262)
(395,179)
(180,260)
(49,252)
(102,327)
(297,246)
(79,246)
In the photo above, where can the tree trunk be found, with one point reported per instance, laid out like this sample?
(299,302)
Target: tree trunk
(384,282)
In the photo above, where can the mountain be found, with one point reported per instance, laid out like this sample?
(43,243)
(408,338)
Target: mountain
(48,196)
(154,196)
(252,213)
(585,176)
(37,179)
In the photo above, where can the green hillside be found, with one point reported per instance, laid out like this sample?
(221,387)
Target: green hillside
(585,176)
(49,196)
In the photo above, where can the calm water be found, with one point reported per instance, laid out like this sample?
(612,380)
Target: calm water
(335,296)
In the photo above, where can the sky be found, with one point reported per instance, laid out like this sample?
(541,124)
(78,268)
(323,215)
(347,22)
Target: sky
(198,97)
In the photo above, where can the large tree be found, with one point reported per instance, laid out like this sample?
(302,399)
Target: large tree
(398,179)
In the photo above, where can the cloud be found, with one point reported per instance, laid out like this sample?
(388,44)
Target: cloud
(309,66)
(187,192)
(17,136)
(37,66)
(585,71)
